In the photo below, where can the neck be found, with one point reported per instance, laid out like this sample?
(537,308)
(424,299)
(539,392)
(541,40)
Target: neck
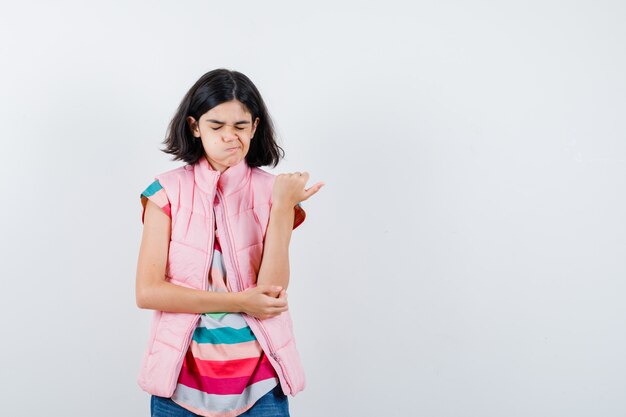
(216,167)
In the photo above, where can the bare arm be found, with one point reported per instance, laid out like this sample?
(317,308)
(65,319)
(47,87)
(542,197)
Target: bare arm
(154,292)
(274,268)
(287,192)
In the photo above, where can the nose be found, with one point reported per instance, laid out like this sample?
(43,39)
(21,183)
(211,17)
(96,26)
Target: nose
(229,135)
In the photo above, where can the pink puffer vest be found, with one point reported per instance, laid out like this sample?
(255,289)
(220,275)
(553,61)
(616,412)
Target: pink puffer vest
(241,198)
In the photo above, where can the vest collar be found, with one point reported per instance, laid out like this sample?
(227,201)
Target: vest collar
(229,181)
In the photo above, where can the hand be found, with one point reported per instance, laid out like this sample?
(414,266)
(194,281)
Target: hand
(289,188)
(263,301)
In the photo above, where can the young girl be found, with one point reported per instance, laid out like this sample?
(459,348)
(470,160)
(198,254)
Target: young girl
(214,261)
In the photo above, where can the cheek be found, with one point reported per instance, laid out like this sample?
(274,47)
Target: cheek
(212,142)
(211,147)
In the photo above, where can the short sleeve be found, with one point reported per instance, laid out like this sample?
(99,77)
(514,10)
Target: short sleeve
(299,215)
(155,193)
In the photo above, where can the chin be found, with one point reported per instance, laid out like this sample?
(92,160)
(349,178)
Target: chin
(232,163)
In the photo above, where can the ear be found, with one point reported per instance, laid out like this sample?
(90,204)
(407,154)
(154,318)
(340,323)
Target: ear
(256,123)
(193,126)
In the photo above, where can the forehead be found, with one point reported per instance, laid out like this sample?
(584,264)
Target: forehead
(229,110)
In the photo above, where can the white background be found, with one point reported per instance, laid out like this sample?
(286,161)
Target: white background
(466,257)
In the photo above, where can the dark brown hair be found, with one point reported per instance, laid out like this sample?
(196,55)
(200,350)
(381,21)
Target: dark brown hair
(212,89)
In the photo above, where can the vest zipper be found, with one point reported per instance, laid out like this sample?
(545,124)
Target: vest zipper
(273,353)
(205,282)
(239,281)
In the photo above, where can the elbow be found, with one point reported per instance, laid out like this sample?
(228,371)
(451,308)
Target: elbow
(147,292)
(142,299)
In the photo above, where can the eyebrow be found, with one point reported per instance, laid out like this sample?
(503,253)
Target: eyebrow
(241,122)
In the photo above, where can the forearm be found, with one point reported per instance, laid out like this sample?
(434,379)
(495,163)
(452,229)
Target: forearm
(274,268)
(166,296)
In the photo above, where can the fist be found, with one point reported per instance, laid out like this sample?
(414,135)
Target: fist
(289,189)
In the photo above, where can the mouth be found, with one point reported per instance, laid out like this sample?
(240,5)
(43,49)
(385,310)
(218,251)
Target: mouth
(232,149)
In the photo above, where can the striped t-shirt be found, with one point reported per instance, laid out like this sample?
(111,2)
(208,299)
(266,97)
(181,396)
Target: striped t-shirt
(225,370)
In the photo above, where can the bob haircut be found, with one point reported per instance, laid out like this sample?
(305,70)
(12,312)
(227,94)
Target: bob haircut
(212,89)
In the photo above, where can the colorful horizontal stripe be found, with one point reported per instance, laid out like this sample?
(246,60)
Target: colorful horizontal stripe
(226,352)
(155,193)
(232,405)
(223,369)
(191,376)
(223,335)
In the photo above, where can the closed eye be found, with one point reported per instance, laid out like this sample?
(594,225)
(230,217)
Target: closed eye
(218,128)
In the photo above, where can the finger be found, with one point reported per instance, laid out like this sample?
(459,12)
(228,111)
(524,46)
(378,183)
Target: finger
(270,289)
(277,311)
(313,189)
(271,315)
(278,302)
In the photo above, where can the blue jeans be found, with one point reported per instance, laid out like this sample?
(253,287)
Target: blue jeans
(272,404)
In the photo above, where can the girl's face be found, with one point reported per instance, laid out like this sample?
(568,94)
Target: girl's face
(225,132)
